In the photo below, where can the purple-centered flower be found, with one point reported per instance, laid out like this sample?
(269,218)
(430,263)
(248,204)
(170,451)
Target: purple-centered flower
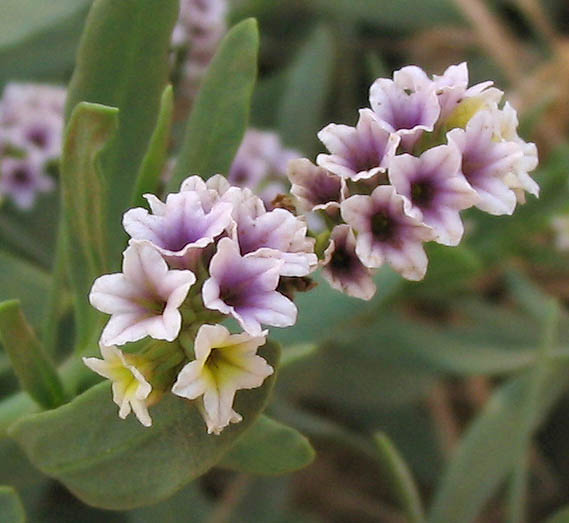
(358,152)
(343,269)
(314,187)
(278,234)
(407,104)
(180,225)
(22,99)
(38,132)
(144,299)
(21,179)
(436,188)
(486,161)
(245,288)
(224,364)
(386,232)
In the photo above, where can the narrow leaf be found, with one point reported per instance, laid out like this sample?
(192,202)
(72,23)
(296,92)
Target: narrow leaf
(11,508)
(34,369)
(123,62)
(308,84)
(155,158)
(85,204)
(119,464)
(400,479)
(486,456)
(269,448)
(221,111)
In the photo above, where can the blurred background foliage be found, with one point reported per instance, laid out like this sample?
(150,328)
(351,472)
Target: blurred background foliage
(466,372)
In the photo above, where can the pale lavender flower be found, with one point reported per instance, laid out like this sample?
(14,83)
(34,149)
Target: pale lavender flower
(342,267)
(130,388)
(408,104)
(21,179)
(358,152)
(37,132)
(260,164)
(314,187)
(486,161)
(436,188)
(245,288)
(278,234)
(144,299)
(19,99)
(518,179)
(180,225)
(386,232)
(224,364)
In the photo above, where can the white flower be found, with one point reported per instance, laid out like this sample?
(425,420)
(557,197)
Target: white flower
(130,388)
(224,364)
(144,299)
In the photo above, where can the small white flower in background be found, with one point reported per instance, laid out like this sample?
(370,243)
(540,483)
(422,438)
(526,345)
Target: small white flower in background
(144,299)
(130,388)
(560,226)
(224,364)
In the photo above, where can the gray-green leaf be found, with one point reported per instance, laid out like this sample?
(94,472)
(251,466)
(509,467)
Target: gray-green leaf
(11,508)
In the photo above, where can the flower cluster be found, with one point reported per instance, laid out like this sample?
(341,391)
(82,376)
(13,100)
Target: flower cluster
(207,253)
(31,126)
(427,149)
(261,163)
(200,27)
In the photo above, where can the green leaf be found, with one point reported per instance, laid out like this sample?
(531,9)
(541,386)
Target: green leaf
(118,464)
(269,448)
(123,62)
(85,204)
(521,440)
(486,455)
(29,283)
(307,87)
(400,479)
(561,516)
(155,158)
(11,508)
(38,39)
(221,111)
(31,364)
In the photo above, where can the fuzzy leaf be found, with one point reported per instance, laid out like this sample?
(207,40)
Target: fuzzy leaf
(85,203)
(34,369)
(307,86)
(269,448)
(123,62)
(221,111)
(118,464)
(155,158)
(11,508)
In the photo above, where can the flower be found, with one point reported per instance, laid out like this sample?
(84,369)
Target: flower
(406,105)
(22,179)
(358,152)
(436,189)
(387,232)
(130,388)
(342,267)
(224,364)
(314,187)
(486,161)
(179,225)
(245,288)
(144,299)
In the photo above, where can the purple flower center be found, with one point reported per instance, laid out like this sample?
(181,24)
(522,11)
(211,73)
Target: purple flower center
(365,162)
(232,296)
(21,176)
(382,226)
(422,193)
(38,137)
(341,261)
